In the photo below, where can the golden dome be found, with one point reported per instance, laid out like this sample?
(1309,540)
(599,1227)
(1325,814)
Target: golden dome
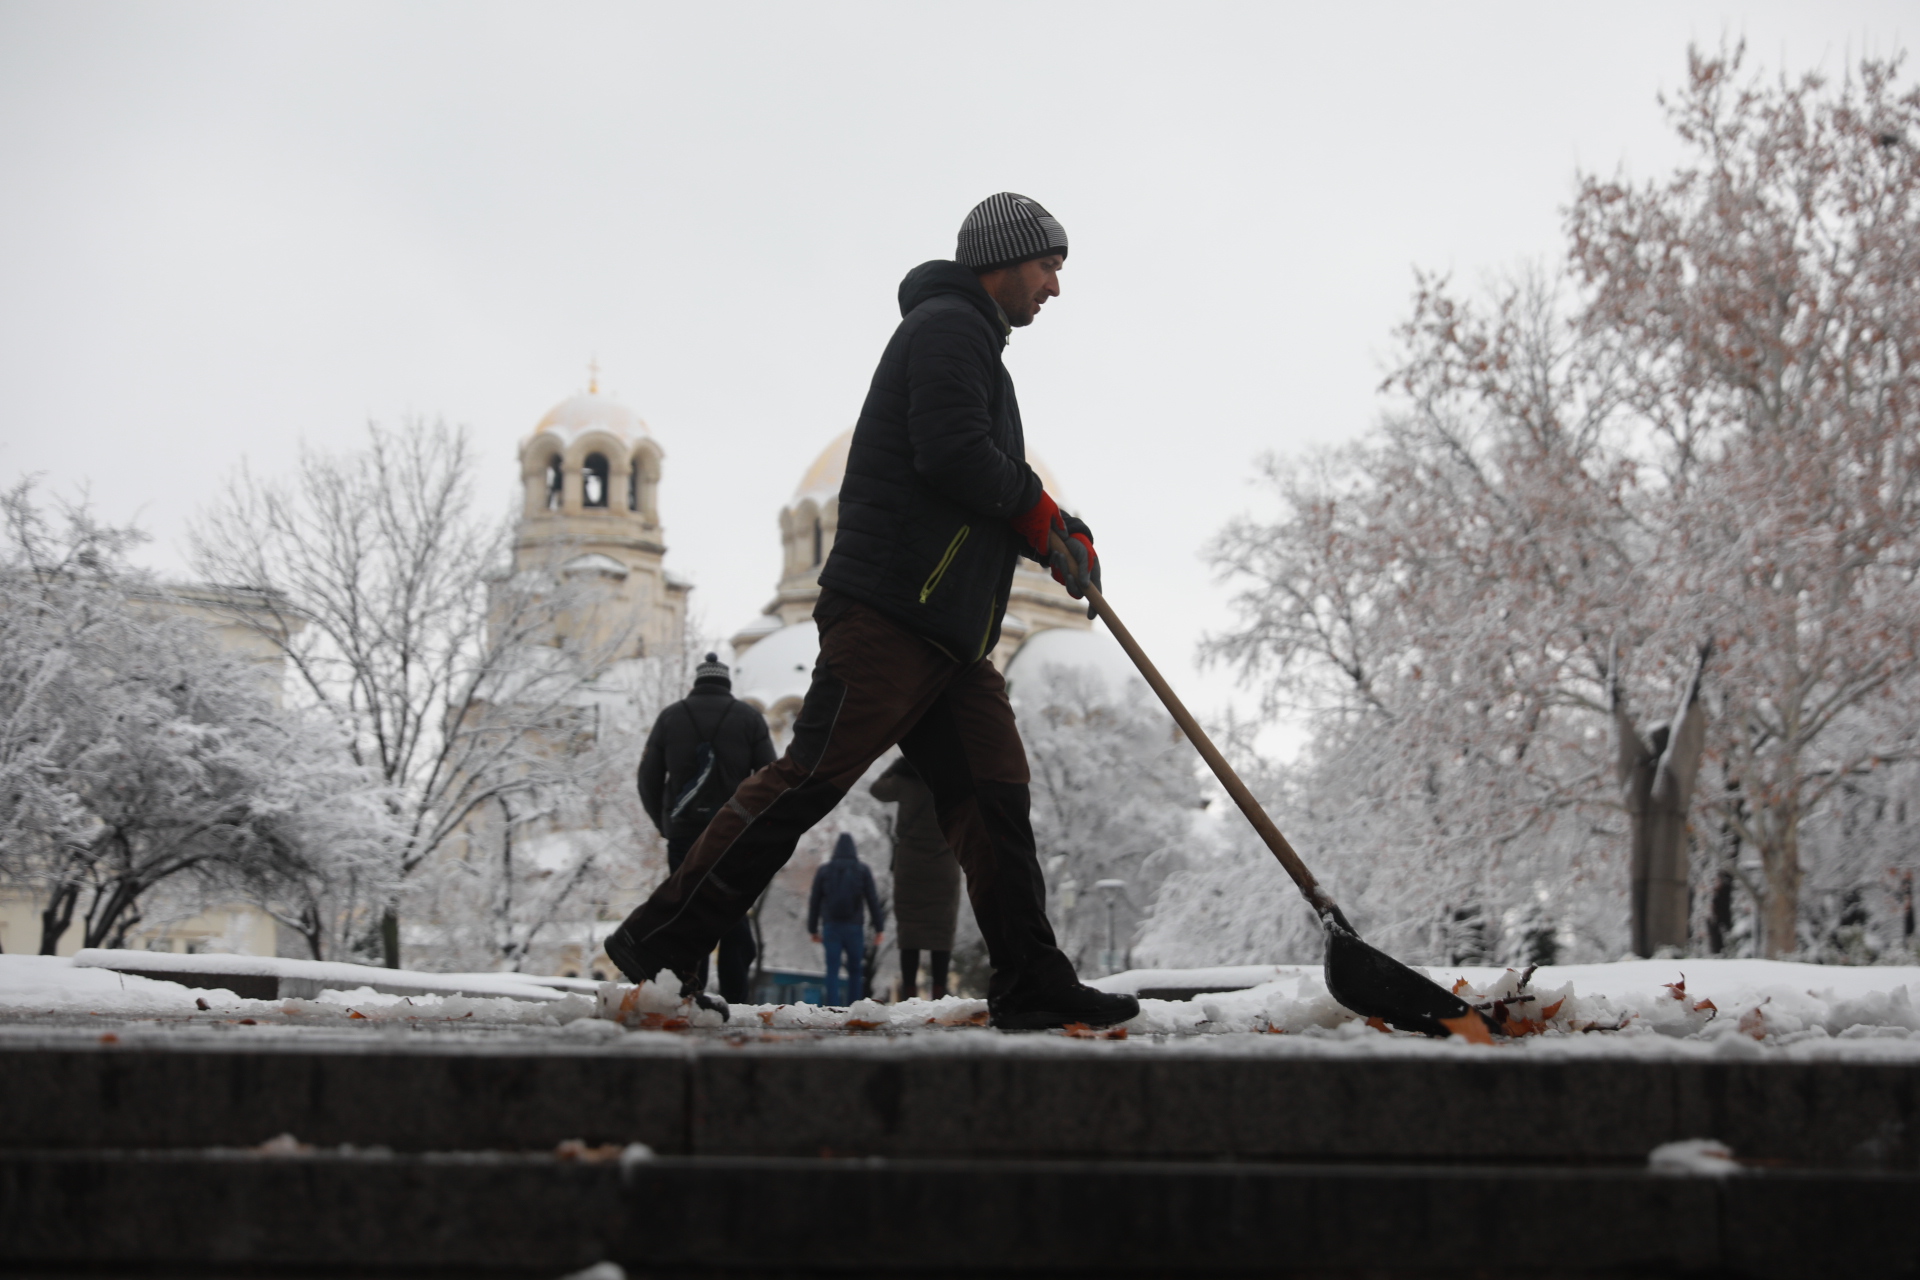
(823,477)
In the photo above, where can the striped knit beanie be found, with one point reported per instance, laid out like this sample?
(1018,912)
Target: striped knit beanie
(1008,228)
(712,669)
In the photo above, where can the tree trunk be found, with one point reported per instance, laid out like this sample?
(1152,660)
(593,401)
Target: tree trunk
(314,930)
(1780,910)
(390,936)
(503,916)
(104,919)
(56,919)
(1720,913)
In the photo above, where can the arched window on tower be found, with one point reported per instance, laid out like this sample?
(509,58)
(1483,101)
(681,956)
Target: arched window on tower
(554,483)
(819,540)
(593,480)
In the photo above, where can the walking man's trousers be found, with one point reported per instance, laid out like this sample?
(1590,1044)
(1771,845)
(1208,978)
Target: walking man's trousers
(736,943)
(876,684)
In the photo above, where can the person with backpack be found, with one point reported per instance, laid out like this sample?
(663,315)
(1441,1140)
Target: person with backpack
(842,889)
(701,748)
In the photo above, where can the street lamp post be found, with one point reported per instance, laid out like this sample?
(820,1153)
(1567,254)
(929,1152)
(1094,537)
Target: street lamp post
(1111,890)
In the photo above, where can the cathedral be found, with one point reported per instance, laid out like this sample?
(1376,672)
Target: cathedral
(591,475)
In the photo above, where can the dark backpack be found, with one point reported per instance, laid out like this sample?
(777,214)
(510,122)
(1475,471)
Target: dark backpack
(710,787)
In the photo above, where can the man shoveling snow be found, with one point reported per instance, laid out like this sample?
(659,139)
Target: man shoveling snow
(937,506)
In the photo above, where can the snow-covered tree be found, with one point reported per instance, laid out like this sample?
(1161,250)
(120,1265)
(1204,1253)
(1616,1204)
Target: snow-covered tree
(137,753)
(540,880)
(1764,304)
(1115,792)
(458,676)
(1644,525)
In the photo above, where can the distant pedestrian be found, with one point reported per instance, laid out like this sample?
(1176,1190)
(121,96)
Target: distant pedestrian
(926,880)
(701,748)
(843,890)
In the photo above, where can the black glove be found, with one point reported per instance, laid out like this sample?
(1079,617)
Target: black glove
(1080,564)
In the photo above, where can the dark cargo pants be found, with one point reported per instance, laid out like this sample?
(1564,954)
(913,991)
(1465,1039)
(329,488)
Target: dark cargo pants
(875,685)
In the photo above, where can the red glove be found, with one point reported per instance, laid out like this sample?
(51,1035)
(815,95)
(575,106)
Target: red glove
(1042,518)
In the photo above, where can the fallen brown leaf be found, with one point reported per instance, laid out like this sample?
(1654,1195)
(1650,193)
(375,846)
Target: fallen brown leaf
(576,1150)
(1081,1031)
(656,1022)
(1470,1027)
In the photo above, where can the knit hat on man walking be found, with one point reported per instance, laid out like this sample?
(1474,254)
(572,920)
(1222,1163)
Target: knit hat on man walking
(1007,228)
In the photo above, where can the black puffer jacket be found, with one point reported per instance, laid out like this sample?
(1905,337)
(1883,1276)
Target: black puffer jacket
(936,470)
(671,760)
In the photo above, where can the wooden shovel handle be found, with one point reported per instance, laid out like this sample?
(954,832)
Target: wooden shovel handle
(1211,754)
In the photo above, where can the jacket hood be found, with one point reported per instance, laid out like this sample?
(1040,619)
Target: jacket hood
(843,848)
(932,279)
(713,684)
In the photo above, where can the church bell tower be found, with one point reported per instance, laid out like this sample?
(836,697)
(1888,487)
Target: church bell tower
(591,474)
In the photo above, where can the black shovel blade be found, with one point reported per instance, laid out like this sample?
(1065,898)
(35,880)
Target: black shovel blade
(1374,985)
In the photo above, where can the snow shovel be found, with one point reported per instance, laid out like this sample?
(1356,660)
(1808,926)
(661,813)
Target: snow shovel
(1363,978)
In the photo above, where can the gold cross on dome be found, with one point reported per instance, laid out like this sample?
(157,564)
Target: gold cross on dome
(593,376)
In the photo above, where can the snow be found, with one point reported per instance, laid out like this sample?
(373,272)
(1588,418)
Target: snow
(55,982)
(1713,1009)
(36,985)
(1228,977)
(1695,1157)
(319,975)
(598,1271)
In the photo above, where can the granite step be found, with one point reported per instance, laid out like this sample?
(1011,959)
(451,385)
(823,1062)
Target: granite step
(472,1214)
(1037,1098)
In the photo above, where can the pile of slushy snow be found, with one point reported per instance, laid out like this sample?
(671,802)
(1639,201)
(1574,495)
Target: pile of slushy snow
(1759,1002)
(1732,1004)
(1765,1001)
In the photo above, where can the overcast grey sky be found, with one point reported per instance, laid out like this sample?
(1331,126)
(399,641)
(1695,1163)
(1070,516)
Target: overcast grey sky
(226,229)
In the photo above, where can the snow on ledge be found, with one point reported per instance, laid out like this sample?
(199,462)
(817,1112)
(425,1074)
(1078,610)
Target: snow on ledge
(1217,978)
(307,978)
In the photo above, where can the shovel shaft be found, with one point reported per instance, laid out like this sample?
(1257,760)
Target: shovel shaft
(1211,754)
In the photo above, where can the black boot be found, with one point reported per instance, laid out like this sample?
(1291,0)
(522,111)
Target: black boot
(1059,1005)
(694,989)
(625,953)
(640,968)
